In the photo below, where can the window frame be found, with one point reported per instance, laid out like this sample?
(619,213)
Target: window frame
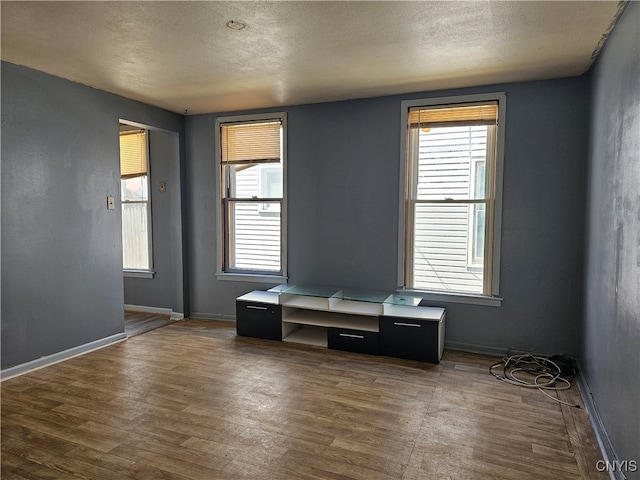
(472,261)
(492,297)
(249,275)
(148,272)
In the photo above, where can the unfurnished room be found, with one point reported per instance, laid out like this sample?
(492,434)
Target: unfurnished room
(320,240)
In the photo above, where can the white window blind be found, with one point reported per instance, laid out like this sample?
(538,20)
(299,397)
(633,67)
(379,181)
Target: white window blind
(450,116)
(244,143)
(133,154)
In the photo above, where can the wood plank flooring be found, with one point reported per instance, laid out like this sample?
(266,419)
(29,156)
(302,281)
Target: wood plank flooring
(193,401)
(136,323)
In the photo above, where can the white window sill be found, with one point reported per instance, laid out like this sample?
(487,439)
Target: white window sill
(139,273)
(250,277)
(470,299)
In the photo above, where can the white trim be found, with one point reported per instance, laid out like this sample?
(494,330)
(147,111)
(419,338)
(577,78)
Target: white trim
(498,178)
(144,126)
(159,310)
(138,273)
(284,267)
(60,356)
(402,213)
(446,297)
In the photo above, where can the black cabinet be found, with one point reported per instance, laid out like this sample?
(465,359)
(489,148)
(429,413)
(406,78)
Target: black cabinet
(260,320)
(410,338)
(357,341)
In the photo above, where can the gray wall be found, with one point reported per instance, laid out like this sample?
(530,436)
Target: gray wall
(164,290)
(62,282)
(343,190)
(611,336)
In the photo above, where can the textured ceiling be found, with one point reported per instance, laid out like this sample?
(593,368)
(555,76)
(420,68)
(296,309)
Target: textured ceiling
(181,56)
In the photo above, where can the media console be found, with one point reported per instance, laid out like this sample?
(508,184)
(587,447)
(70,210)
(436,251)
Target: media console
(361,321)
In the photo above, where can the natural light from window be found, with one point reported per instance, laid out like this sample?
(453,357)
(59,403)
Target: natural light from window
(452,152)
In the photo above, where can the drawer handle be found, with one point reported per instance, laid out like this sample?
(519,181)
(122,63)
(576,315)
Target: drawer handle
(255,307)
(401,324)
(351,335)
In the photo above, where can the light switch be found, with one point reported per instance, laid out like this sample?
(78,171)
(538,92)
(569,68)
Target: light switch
(163,186)
(111,203)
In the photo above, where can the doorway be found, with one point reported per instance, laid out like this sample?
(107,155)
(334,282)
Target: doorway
(152,223)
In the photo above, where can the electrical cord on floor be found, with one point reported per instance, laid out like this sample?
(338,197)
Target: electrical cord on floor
(554,372)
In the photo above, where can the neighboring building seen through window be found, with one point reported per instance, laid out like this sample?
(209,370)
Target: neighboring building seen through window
(252,172)
(135,201)
(452,153)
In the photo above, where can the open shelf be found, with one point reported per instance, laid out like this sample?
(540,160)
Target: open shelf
(355,307)
(301,301)
(332,319)
(331,304)
(308,335)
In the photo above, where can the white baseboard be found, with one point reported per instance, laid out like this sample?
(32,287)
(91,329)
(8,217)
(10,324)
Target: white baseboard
(60,356)
(159,310)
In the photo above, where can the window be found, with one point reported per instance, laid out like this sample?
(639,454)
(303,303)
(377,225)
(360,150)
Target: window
(252,214)
(452,195)
(135,201)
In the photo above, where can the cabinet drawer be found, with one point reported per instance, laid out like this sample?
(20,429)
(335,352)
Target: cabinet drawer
(261,320)
(353,340)
(410,338)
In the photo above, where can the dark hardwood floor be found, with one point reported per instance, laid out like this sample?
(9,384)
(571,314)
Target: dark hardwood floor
(193,401)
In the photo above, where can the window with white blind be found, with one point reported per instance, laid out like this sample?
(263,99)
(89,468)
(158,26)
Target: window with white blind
(252,214)
(135,200)
(452,195)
